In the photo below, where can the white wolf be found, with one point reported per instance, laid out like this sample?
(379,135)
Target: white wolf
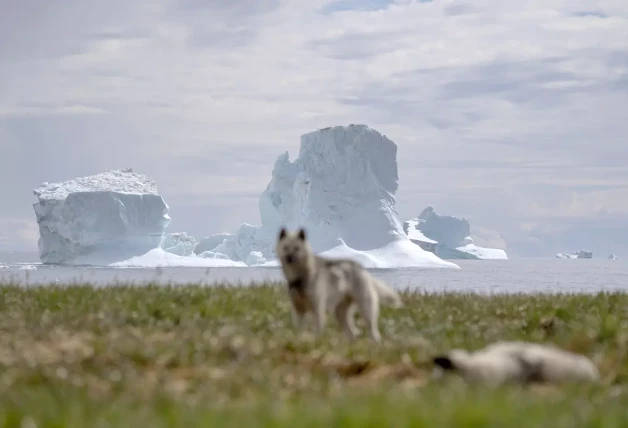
(519,362)
(317,284)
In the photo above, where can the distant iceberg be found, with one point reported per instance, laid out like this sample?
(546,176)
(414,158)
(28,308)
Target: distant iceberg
(582,254)
(448,237)
(613,257)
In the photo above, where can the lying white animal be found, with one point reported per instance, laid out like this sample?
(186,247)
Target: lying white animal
(519,362)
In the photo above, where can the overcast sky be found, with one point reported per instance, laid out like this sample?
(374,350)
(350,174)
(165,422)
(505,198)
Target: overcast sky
(513,114)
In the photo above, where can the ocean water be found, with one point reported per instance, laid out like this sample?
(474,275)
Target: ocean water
(498,276)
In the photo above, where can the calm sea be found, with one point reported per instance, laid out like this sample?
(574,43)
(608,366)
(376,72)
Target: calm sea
(511,276)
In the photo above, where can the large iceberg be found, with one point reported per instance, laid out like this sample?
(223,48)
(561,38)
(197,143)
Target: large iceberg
(448,237)
(111,215)
(112,218)
(341,189)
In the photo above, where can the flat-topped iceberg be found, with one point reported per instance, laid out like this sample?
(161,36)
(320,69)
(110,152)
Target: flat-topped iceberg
(116,214)
(448,237)
(114,218)
(341,189)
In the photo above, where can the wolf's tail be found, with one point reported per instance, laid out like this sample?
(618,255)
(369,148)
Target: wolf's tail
(387,294)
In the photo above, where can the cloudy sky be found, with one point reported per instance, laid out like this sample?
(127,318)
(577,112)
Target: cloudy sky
(512,114)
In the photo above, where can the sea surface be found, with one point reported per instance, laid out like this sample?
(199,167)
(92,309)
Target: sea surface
(485,276)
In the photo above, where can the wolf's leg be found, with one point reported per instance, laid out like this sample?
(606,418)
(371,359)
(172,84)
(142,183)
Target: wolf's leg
(320,313)
(351,319)
(344,313)
(368,302)
(298,318)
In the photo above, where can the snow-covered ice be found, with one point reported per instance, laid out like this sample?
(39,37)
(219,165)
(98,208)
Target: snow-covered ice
(566,256)
(447,236)
(581,254)
(341,189)
(157,257)
(99,219)
(179,243)
(417,237)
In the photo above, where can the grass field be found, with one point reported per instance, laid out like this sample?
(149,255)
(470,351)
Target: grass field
(193,356)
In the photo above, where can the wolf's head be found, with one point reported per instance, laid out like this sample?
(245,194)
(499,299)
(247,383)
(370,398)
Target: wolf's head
(292,248)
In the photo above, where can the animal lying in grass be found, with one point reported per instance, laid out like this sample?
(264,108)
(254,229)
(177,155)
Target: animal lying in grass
(317,284)
(519,362)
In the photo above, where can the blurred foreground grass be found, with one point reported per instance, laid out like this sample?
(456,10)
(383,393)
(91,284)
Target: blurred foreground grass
(196,356)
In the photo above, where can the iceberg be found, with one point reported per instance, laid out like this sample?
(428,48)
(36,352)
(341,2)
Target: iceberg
(114,218)
(111,215)
(448,237)
(179,243)
(582,254)
(341,189)
(613,257)
(210,242)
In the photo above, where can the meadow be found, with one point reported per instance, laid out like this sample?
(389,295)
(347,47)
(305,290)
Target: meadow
(124,355)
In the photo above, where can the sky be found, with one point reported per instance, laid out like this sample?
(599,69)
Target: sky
(510,114)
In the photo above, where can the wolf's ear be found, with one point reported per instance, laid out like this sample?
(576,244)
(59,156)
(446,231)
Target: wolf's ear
(302,234)
(282,233)
(444,362)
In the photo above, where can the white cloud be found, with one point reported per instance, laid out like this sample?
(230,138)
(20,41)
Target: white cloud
(492,103)
(41,110)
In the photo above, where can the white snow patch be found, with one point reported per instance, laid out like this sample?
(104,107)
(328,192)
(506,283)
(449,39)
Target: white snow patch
(118,181)
(160,258)
(398,253)
(415,234)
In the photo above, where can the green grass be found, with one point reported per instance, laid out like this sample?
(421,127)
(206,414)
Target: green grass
(194,356)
